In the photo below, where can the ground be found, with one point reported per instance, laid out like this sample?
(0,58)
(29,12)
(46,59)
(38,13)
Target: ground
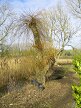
(57,94)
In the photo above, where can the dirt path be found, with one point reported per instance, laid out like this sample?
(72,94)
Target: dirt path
(57,94)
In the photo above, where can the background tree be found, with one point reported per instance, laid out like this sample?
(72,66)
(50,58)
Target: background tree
(7,27)
(75,7)
(62,30)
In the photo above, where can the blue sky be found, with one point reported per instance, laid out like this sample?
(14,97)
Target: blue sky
(33,5)
(19,5)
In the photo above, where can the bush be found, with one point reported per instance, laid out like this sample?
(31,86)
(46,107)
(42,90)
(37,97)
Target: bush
(77,63)
(77,95)
(77,89)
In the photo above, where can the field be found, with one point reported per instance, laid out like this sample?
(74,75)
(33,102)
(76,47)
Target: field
(17,92)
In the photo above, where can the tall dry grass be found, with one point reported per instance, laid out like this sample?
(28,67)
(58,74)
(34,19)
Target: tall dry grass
(64,61)
(32,66)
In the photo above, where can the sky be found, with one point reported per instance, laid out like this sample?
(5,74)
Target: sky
(34,5)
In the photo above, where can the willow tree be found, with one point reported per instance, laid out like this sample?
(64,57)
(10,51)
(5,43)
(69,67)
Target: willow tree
(37,25)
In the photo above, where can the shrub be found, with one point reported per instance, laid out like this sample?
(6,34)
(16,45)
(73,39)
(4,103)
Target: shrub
(77,88)
(77,63)
(77,95)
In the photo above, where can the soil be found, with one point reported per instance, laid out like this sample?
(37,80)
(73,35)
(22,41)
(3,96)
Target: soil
(57,94)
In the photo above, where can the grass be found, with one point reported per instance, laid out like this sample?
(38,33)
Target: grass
(57,93)
(28,67)
(64,61)
(16,74)
(33,65)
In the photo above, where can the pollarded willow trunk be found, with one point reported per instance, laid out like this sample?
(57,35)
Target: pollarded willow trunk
(37,36)
(41,74)
(35,25)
